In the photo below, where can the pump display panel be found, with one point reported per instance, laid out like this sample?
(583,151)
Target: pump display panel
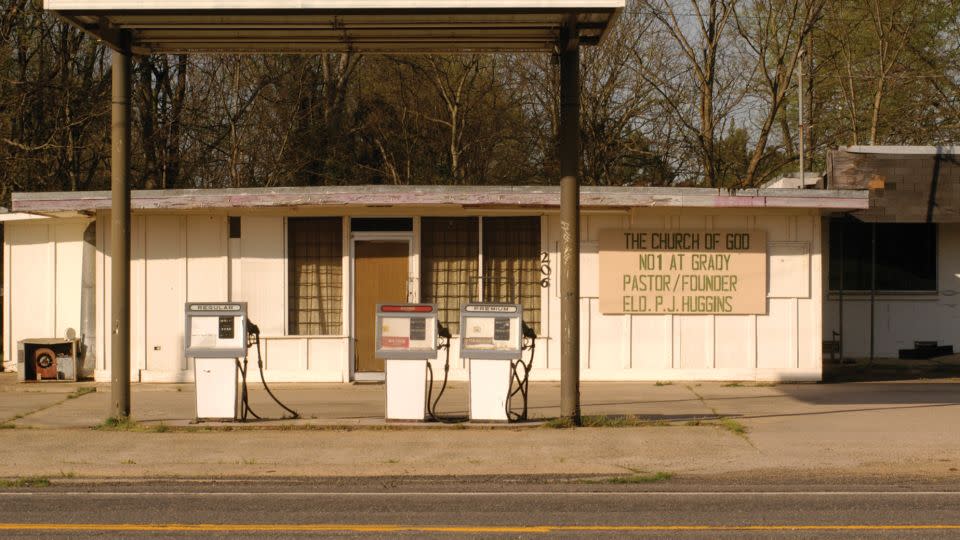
(406,331)
(215,330)
(491,331)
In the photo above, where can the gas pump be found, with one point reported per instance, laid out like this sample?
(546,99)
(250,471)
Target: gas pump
(494,338)
(217,336)
(406,338)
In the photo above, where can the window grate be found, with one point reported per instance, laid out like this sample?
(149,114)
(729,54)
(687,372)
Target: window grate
(511,264)
(449,255)
(315,251)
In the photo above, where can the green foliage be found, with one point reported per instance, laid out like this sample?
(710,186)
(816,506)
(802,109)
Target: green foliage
(26,482)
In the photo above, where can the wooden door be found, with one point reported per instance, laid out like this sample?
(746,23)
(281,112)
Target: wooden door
(380,273)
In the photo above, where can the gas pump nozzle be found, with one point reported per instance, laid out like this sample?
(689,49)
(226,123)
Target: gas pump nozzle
(444,332)
(528,331)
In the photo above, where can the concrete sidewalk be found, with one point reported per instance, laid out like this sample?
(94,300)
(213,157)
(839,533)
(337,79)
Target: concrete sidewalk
(874,429)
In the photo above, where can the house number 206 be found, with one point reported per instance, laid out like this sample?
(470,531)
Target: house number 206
(545,269)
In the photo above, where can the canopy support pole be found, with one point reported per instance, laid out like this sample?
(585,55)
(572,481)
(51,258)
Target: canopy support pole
(120,236)
(570,226)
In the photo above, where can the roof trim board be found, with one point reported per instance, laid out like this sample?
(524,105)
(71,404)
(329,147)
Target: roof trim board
(947,150)
(448,196)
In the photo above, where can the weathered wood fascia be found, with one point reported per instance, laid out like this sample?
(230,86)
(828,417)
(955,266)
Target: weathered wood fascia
(449,196)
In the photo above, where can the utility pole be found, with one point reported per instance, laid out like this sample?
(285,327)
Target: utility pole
(803,182)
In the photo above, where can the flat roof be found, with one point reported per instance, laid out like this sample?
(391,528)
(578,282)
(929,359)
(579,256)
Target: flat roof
(546,197)
(306,26)
(946,150)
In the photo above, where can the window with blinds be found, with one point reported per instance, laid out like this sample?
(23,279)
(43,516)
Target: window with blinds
(449,264)
(315,252)
(511,264)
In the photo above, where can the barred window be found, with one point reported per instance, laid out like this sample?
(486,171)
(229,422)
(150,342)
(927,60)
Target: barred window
(511,264)
(315,251)
(449,260)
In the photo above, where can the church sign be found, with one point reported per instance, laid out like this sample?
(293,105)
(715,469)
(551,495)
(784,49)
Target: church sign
(683,272)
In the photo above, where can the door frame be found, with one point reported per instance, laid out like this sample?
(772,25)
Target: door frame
(413,294)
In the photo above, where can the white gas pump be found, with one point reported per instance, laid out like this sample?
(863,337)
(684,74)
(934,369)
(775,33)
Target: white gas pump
(492,340)
(406,340)
(215,337)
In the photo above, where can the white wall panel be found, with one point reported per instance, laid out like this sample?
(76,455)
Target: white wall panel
(263,275)
(165,283)
(734,340)
(652,340)
(32,281)
(44,264)
(776,334)
(69,270)
(207,272)
(286,354)
(609,343)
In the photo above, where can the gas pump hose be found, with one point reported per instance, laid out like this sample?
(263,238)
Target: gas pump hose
(244,397)
(523,383)
(432,402)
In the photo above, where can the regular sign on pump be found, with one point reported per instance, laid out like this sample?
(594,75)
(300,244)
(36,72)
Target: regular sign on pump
(406,331)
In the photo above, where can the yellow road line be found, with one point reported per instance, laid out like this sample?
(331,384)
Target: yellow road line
(480,529)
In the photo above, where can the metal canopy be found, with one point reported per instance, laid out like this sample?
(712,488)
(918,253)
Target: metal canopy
(310,26)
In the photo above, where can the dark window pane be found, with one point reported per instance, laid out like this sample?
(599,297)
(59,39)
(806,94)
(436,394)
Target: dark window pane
(906,256)
(234,227)
(381,224)
(315,259)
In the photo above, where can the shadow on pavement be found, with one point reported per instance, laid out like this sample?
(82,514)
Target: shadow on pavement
(930,393)
(890,369)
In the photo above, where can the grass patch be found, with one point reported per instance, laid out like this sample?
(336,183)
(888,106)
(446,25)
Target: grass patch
(733,385)
(663,383)
(119,423)
(128,462)
(8,425)
(81,392)
(641,478)
(733,426)
(637,477)
(129,424)
(25,482)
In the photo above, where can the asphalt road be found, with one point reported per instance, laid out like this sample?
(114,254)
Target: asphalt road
(493,508)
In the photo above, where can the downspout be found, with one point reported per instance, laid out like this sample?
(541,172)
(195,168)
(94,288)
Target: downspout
(88,307)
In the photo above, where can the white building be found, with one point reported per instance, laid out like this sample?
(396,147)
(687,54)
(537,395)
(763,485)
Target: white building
(313,262)
(914,220)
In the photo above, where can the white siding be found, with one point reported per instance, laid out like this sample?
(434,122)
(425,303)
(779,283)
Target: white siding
(189,256)
(782,344)
(902,319)
(43,273)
